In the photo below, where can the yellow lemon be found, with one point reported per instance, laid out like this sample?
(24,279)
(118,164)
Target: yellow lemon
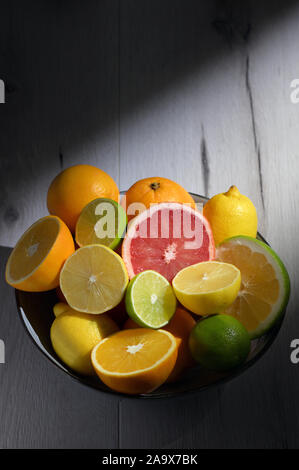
(231,214)
(207,287)
(75,334)
(94,279)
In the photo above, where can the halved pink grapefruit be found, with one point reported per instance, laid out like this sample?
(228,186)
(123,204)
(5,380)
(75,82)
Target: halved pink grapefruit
(166,238)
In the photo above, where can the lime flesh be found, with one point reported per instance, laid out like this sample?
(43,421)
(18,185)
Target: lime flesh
(103,221)
(150,300)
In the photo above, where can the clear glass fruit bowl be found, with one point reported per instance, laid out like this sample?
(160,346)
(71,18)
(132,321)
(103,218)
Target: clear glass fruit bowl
(36,313)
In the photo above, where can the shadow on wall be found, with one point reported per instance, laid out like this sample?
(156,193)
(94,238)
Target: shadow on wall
(74,73)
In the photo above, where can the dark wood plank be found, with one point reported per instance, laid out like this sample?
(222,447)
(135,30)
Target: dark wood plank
(59,61)
(40,407)
(256,410)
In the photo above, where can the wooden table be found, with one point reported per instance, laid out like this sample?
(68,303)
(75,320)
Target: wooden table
(195,91)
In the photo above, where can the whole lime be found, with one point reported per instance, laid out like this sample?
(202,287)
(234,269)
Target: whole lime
(219,342)
(231,214)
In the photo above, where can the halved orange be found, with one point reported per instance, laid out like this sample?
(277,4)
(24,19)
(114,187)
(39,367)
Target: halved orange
(180,326)
(35,263)
(135,361)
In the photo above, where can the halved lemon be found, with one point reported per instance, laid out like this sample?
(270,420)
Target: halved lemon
(34,264)
(208,287)
(93,279)
(135,361)
(265,287)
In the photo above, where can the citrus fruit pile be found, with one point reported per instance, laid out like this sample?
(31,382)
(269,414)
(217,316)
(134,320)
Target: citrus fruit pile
(142,292)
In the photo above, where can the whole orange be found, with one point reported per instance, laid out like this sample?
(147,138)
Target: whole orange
(180,326)
(119,314)
(75,187)
(153,190)
(130,324)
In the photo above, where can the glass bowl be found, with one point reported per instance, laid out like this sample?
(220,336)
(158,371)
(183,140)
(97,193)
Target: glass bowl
(35,310)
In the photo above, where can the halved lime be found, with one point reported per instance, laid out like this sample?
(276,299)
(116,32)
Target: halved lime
(265,286)
(150,300)
(103,221)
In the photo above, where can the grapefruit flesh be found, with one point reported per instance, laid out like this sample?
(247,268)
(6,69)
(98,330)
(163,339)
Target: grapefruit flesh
(166,238)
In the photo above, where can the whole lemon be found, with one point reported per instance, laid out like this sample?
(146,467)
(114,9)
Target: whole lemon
(60,307)
(231,214)
(74,335)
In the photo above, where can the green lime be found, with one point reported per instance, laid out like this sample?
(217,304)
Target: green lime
(103,221)
(219,342)
(150,300)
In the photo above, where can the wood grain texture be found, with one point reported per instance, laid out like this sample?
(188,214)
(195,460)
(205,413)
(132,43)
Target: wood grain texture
(257,410)
(194,91)
(40,407)
(60,65)
(221,124)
